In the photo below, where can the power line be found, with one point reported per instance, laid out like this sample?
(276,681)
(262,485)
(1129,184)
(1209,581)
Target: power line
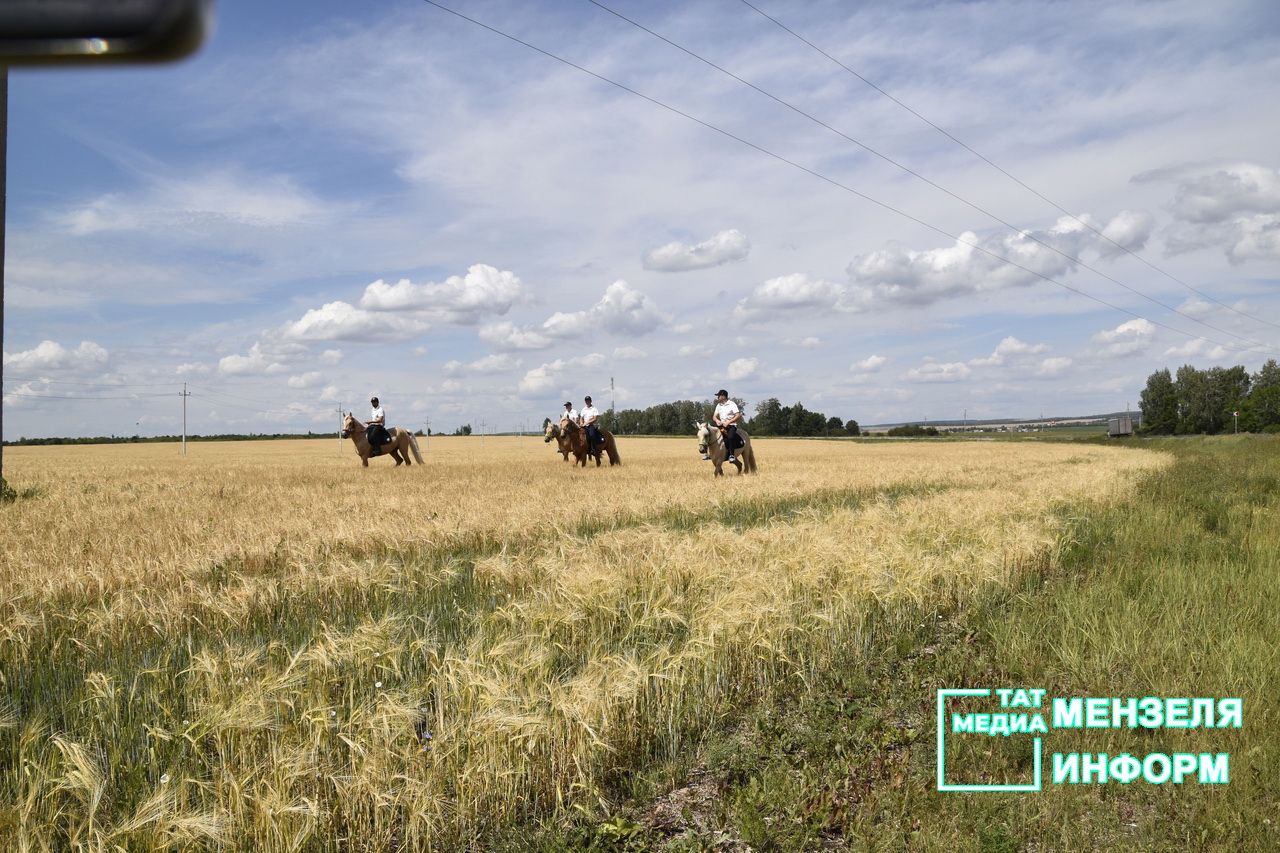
(90,384)
(66,397)
(886,158)
(832,181)
(1005,172)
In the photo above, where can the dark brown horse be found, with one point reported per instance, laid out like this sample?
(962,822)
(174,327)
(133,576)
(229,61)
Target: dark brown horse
(577,437)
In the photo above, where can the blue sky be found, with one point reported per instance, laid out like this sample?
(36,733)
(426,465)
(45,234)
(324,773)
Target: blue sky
(331,201)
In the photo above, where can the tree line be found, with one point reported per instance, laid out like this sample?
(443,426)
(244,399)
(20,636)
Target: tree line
(1194,401)
(771,418)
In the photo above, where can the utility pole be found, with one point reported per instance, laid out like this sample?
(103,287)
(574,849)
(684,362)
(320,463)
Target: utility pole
(482,433)
(4,169)
(184,393)
(964,425)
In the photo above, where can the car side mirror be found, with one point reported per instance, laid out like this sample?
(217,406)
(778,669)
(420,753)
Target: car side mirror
(66,32)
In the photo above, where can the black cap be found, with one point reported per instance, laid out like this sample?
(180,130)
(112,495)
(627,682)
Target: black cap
(722,392)
(586,399)
(568,405)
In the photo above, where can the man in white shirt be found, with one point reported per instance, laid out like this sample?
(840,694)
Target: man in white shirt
(589,417)
(376,433)
(727,416)
(569,412)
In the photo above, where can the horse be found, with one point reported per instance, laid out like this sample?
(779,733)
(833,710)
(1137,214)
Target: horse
(577,437)
(402,442)
(711,440)
(550,431)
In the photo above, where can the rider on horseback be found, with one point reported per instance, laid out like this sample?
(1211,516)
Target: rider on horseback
(569,413)
(727,416)
(589,418)
(377,434)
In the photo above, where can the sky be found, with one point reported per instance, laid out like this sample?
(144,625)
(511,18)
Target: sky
(334,200)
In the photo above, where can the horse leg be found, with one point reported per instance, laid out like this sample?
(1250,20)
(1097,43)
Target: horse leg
(364,460)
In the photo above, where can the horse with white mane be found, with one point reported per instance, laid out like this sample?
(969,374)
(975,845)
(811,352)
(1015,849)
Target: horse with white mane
(401,444)
(552,430)
(711,442)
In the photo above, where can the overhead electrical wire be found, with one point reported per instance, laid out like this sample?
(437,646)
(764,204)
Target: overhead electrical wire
(21,393)
(1005,172)
(832,181)
(1026,233)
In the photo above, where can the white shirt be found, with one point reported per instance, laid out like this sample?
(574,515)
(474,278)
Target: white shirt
(377,413)
(571,414)
(725,410)
(587,413)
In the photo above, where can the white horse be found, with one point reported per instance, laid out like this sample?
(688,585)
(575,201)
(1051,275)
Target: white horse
(711,441)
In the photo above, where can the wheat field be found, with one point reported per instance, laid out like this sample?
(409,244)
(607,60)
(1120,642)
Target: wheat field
(263,645)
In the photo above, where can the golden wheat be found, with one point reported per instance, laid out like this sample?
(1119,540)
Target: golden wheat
(264,644)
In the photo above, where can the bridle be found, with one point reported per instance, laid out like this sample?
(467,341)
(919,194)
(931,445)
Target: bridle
(351,426)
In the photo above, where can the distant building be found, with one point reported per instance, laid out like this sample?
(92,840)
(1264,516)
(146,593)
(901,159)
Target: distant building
(1118,426)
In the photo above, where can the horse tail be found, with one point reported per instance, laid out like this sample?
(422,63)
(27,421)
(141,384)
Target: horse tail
(751,459)
(413,444)
(611,447)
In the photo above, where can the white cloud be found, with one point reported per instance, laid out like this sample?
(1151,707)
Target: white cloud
(621,310)
(810,342)
(1194,346)
(694,351)
(1053,366)
(51,355)
(507,335)
(305,380)
(493,363)
(1126,339)
(870,364)
(726,246)
(1235,207)
(954,371)
(225,197)
(629,354)
(484,290)
(342,321)
(545,377)
(1010,349)
(261,360)
(792,293)
(896,276)
(742,368)
(330,393)
(331,356)
(191,369)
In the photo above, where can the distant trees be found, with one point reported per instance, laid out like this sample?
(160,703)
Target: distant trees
(465,429)
(1195,401)
(771,418)
(912,431)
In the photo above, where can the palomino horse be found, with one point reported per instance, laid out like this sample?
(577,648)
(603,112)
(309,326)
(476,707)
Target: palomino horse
(578,444)
(402,442)
(550,431)
(711,441)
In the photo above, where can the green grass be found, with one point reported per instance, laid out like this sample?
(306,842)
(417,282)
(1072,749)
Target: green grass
(1172,593)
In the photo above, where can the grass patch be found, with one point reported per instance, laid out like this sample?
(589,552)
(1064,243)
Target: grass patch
(1171,593)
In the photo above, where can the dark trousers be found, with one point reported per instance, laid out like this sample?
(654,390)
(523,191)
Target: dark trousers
(731,440)
(594,438)
(377,436)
